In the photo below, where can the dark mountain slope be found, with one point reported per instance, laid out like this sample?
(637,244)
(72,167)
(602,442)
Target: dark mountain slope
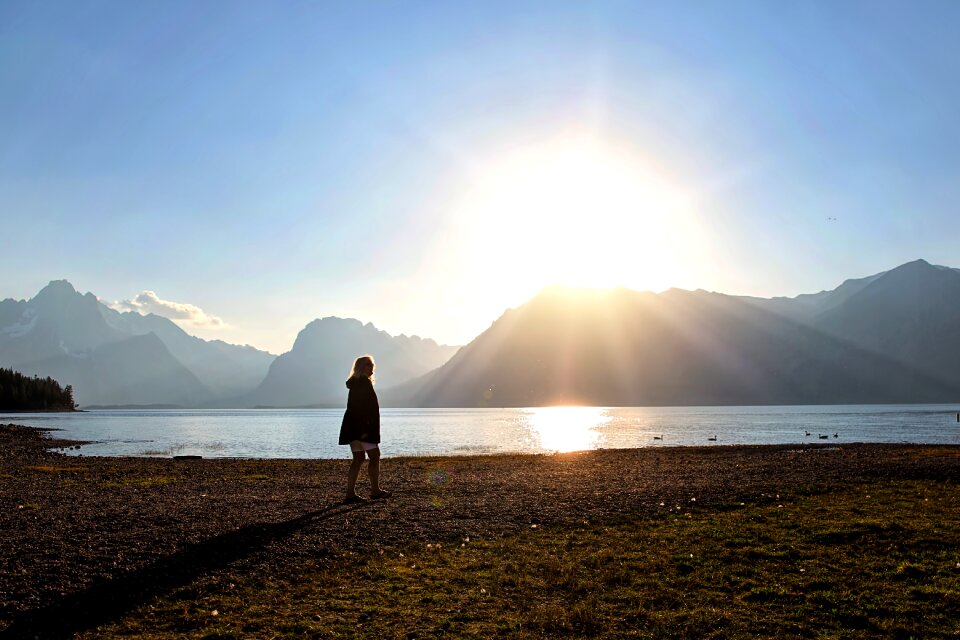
(227,370)
(626,348)
(138,370)
(910,314)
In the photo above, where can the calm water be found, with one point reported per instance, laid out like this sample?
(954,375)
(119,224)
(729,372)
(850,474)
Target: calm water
(313,433)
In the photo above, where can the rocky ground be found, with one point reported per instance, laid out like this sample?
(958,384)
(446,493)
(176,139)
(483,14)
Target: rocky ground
(86,539)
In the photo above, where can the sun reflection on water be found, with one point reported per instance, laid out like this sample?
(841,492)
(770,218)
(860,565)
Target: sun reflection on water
(566,429)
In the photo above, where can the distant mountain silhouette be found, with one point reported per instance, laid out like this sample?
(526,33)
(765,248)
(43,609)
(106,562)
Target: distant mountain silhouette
(886,338)
(910,314)
(314,370)
(855,344)
(227,370)
(57,321)
(120,358)
(807,306)
(134,371)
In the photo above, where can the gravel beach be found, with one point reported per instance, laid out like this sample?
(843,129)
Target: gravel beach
(86,539)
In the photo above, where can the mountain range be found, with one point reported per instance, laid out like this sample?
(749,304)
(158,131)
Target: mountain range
(887,338)
(313,372)
(128,359)
(113,358)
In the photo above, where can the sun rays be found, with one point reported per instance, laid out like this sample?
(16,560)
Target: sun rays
(575,210)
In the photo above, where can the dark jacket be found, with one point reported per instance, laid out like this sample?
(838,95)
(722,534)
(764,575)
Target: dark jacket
(362,418)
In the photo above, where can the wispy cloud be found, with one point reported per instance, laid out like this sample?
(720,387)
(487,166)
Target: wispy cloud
(150,302)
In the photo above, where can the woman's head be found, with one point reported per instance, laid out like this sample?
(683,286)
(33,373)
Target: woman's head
(363,368)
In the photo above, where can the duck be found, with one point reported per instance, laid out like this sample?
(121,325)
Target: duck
(659,437)
(822,437)
(806,433)
(836,435)
(713,439)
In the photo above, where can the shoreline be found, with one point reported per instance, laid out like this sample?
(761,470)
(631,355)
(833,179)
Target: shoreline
(56,447)
(90,525)
(66,444)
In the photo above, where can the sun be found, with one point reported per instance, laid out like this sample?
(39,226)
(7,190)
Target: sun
(576,211)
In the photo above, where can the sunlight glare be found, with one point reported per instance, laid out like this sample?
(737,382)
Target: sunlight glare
(565,429)
(577,212)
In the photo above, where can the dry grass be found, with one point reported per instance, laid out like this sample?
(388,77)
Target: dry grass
(879,560)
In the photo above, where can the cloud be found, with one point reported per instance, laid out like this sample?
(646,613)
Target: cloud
(150,302)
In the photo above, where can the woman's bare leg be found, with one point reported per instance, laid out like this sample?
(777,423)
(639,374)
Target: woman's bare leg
(373,468)
(353,473)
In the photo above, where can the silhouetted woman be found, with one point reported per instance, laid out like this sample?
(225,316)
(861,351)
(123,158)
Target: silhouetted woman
(361,429)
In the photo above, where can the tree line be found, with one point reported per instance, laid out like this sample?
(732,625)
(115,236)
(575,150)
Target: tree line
(24,393)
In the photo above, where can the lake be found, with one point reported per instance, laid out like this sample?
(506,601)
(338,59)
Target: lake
(312,433)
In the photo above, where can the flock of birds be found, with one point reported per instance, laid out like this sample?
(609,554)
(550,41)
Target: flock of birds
(806,433)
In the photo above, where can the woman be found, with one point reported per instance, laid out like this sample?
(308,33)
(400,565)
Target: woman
(361,430)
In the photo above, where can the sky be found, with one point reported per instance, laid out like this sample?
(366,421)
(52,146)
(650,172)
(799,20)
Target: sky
(246,167)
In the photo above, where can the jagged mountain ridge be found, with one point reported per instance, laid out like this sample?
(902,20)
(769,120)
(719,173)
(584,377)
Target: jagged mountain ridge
(807,306)
(313,371)
(57,321)
(622,347)
(890,337)
(114,358)
(912,315)
(120,358)
(227,370)
(62,334)
(136,371)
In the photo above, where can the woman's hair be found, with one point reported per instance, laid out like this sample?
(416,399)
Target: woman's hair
(359,363)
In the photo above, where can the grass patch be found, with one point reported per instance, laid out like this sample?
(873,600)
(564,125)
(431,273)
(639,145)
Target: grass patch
(54,469)
(140,483)
(255,477)
(875,561)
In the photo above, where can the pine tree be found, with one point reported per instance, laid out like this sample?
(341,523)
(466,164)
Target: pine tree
(23,393)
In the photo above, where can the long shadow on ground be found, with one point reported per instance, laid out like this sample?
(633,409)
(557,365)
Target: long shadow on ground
(108,600)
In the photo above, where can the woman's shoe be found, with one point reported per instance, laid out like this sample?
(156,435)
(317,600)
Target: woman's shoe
(354,499)
(383,494)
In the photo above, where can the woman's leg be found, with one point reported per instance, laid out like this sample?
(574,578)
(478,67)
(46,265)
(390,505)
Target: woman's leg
(353,473)
(373,468)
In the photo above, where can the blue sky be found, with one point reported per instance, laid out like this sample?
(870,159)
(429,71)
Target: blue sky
(272,163)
